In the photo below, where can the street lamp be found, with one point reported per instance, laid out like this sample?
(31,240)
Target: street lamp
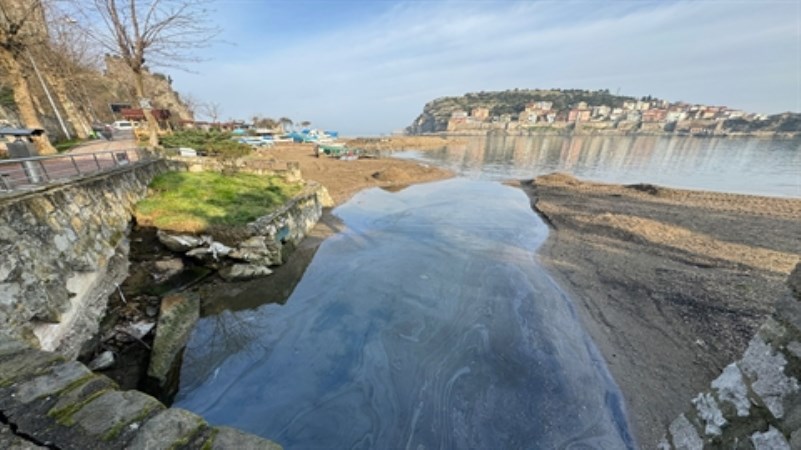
(49,97)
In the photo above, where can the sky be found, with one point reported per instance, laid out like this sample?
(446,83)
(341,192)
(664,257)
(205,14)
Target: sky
(367,67)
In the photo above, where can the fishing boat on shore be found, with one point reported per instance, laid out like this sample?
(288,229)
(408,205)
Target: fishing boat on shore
(343,152)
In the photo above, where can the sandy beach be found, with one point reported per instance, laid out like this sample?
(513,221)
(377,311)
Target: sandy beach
(345,178)
(671,284)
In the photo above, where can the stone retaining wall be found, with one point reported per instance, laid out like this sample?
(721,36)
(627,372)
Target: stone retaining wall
(756,402)
(46,401)
(263,243)
(64,250)
(289,170)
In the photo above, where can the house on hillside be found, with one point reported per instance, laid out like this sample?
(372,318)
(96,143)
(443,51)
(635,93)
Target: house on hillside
(654,115)
(480,114)
(578,115)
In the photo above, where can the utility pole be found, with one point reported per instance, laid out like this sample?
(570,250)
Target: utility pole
(49,97)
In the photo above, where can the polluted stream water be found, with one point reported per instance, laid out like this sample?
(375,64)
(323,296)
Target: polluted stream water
(426,323)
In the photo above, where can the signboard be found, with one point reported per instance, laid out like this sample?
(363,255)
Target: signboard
(116,108)
(144,103)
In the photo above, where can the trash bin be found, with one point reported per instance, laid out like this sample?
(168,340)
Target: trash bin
(23,147)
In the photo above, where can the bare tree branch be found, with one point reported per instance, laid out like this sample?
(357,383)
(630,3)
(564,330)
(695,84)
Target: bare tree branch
(156,32)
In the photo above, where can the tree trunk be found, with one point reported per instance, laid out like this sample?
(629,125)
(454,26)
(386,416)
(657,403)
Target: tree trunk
(79,124)
(24,100)
(152,125)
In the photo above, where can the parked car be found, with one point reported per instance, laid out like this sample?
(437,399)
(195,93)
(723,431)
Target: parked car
(122,125)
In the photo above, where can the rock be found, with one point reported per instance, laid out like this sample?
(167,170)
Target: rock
(258,249)
(10,441)
(794,281)
(102,361)
(114,413)
(227,438)
(25,364)
(177,318)
(139,330)
(765,367)
(60,377)
(684,435)
(178,243)
(166,430)
(151,311)
(167,268)
(769,440)
(324,197)
(242,272)
(214,251)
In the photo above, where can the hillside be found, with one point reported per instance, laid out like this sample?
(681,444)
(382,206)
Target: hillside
(436,114)
(88,94)
(561,111)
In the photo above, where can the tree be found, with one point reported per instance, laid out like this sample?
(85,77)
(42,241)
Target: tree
(192,104)
(21,26)
(264,122)
(285,122)
(161,32)
(305,124)
(66,61)
(210,110)
(268,123)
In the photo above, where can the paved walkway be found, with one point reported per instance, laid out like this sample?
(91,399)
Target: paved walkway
(122,140)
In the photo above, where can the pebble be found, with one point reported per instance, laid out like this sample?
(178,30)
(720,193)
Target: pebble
(102,361)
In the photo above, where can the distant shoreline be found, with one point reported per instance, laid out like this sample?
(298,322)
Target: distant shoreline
(602,133)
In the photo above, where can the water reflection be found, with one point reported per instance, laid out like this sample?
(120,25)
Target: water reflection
(750,166)
(428,324)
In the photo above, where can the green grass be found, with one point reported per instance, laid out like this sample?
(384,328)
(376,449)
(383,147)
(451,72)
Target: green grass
(204,201)
(63,146)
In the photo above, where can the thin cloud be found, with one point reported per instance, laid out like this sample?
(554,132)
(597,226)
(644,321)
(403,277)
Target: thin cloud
(375,76)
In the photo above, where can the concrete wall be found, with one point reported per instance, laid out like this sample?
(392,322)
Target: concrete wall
(64,250)
(756,402)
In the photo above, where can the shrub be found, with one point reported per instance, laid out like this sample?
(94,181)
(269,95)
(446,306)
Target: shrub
(213,143)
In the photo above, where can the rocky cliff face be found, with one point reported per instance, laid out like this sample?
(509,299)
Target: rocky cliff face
(158,86)
(89,93)
(434,117)
(436,113)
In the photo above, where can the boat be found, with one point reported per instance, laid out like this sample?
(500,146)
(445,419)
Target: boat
(340,151)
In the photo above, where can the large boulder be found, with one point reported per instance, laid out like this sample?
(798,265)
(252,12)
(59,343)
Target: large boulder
(177,318)
(258,250)
(180,242)
(242,272)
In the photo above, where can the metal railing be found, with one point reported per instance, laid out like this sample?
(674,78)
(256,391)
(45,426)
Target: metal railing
(24,173)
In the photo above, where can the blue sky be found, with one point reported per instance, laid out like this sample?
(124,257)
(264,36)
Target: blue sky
(367,67)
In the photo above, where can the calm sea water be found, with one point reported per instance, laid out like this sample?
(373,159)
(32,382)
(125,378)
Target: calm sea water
(748,166)
(427,324)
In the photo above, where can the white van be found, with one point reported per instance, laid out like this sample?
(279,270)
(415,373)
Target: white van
(121,125)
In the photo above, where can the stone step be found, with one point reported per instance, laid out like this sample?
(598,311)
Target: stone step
(46,401)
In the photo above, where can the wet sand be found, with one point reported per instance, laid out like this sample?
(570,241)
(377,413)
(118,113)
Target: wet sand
(345,178)
(671,284)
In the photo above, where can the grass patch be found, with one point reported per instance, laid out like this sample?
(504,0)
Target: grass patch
(202,201)
(63,146)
